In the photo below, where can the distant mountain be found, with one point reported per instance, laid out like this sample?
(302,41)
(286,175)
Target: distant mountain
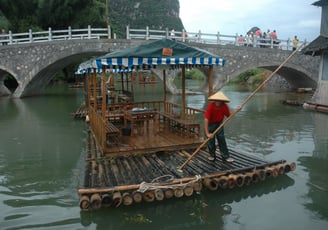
(22,15)
(159,14)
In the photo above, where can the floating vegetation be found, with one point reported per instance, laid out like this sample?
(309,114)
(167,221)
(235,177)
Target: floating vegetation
(138,219)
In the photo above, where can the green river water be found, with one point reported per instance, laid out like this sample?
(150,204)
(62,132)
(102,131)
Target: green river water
(42,151)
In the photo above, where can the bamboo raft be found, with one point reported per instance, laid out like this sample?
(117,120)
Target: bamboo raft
(81,112)
(146,166)
(315,106)
(124,180)
(292,102)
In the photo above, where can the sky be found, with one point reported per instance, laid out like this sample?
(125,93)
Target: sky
(287,17)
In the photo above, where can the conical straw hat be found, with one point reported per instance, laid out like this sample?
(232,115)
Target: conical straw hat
(219,96)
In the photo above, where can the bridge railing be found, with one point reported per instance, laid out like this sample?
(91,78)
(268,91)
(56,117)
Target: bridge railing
(147,34)
(207,38)
(52,35)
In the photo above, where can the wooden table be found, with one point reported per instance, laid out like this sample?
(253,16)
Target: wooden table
(140,117)
(187,127)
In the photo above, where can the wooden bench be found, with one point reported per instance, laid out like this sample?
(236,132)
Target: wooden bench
(115,117)
(186,127)
(113,134)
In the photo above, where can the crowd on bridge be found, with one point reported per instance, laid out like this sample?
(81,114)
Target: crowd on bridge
(255,38)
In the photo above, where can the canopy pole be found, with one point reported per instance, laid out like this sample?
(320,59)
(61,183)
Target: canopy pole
(94,80)
(164,85)
(122,82)
(127,80)
(132,88)
(103,94)
(88,89)
(210,80)
(239,107)
(183,96)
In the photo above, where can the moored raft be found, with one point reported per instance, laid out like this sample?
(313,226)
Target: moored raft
(81,112)
(153,177)
(315,106)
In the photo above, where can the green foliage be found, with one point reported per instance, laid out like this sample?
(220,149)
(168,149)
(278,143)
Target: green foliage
(22,15)
(137,219)
(4,23)
(195,74)
(260,77)
(253,76)
(247,74)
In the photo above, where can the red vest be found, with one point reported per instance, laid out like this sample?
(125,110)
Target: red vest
(216,114)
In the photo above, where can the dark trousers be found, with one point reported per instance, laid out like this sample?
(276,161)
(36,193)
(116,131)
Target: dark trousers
(219,136)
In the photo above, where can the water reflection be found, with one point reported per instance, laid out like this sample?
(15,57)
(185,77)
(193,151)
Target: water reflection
(40,148)
(264,122)
(317,167)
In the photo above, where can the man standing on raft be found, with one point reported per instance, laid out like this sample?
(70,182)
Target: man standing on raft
(213,117)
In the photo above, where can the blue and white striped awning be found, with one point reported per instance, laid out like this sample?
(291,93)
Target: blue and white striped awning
(163,52)
(131,62)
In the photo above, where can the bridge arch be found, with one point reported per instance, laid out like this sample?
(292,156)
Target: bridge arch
(45,73)
(33,65)
(4,91)
(296,76)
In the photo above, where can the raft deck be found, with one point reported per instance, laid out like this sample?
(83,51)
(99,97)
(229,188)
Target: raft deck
(132,178)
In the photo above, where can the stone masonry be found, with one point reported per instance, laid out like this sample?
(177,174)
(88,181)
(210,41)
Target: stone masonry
(34,65)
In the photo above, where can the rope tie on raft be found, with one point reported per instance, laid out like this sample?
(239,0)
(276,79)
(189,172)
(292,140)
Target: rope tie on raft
(144,186)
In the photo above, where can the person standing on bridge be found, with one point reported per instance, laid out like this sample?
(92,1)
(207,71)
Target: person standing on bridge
(172,33)
(213,117)
(274,37)
(4,37)
(295,43)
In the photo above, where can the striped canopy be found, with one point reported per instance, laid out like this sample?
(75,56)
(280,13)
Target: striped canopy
(160,52)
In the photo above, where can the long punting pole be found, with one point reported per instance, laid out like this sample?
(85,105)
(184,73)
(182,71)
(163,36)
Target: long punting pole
(241,105)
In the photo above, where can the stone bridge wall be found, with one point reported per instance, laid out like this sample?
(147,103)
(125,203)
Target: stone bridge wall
(33,65)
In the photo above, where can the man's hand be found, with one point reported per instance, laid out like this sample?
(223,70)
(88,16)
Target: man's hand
(210,135)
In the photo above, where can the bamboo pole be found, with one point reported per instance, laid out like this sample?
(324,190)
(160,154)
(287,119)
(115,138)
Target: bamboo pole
(178,192)
(168,193)
(137,196)
(240,106)
(117,199)
(95,201)
(248,178)
(84,191)
(159,194)
(198,186)
(84,202)
(127,199)
(188,190)
(106,200)
(148,196)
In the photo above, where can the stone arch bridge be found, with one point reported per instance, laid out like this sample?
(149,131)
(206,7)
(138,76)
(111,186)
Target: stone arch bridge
(33,65)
